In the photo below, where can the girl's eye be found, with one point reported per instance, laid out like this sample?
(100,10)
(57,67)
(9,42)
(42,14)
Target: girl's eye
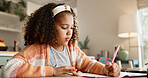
(63,27)
(72,27)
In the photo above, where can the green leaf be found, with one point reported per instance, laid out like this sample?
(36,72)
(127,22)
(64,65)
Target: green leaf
(85,44)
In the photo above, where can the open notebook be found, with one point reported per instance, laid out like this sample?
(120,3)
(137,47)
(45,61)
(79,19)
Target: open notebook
(122,74)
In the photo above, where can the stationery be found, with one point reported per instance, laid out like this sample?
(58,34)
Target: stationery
(115,54)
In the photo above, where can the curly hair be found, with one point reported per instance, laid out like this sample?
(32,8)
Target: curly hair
(40,26)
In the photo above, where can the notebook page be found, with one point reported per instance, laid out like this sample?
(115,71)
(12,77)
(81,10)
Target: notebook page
(122,74)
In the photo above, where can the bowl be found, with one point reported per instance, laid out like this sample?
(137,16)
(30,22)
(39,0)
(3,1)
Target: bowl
(3,48)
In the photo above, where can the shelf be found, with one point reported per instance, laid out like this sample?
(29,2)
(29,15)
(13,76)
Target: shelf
(8,14)
(8,21)
(10,29)
(7,53)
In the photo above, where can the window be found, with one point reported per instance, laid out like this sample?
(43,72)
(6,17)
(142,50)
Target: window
(144,35)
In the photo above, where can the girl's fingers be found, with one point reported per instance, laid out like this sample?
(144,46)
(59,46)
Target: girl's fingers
(114,70)
(106,71)
(115,65)
(69,69)
(75,74)
(111,73)
(64,70)
(117,72)
(107,68)
(108,65)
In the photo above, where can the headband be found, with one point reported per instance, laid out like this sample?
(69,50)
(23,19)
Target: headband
(60,8)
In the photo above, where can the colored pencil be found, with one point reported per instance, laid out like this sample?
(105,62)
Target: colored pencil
(115,54)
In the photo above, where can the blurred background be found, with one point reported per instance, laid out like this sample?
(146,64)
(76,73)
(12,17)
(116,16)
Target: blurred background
(103,24)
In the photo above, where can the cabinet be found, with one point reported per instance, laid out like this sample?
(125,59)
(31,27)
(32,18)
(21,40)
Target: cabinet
(6,55)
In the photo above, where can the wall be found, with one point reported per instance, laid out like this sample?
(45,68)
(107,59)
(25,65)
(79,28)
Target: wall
(11,21)
(99,20)
(10,37)
(31,7)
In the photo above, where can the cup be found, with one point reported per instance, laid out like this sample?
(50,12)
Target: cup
(130,64)
(104,53)
(119,63)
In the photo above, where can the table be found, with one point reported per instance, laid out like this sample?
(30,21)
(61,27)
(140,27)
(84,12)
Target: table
(7,53)
(88,75)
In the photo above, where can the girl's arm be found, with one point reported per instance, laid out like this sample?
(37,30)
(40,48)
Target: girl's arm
(19,67)
(85,64)
(91,66)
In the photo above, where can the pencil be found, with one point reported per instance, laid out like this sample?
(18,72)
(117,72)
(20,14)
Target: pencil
(115,54)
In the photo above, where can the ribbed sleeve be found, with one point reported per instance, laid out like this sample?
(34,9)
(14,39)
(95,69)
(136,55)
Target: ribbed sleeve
(18,68)
(85,64)
(11,68)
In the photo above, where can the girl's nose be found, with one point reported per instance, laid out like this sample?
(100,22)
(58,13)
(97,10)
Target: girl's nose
(69,32)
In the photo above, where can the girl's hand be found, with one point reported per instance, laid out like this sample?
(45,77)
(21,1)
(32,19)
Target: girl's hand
(65,70)
(112,69)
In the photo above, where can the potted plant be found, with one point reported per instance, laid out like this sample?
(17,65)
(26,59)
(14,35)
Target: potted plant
(5,6)
(19,9)
(84,45)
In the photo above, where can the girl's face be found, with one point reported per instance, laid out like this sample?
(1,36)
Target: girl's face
(64,29)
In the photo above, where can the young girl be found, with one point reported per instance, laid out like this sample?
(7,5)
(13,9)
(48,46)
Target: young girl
(50,38)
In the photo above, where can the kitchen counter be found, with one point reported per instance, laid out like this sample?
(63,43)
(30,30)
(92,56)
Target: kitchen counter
(7,53)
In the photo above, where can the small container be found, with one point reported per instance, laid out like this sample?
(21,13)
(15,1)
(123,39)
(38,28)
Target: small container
(119,63)
(130,64)
(3,48)
(16,45)
(105,53)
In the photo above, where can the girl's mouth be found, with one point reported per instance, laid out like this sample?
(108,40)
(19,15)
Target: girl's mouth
(67,39)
